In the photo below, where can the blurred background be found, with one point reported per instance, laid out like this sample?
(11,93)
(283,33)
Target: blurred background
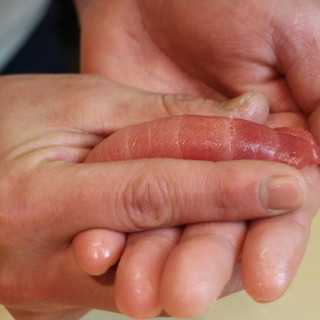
(38,36)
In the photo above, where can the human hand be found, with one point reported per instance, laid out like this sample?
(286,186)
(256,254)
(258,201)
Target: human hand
(48,125)
(197,138)
(271,47)
(191,53)
(95,249)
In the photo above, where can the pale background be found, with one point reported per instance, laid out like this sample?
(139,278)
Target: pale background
(302,301)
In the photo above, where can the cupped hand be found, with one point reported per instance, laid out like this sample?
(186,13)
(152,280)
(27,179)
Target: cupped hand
(49,124)
(210,48)
(219,49)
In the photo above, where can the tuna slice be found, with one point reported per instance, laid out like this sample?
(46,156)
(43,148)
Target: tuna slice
(208,138)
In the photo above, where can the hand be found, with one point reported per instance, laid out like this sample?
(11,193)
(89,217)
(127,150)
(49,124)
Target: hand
(48,125)
(96,251)
(270,47)
(194,263)
(191,53)
(190,137)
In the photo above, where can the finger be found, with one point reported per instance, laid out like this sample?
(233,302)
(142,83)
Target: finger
(252,106)
(139,272)
(298,56)
(200,266)
(127,106)
(297,85)
(269,266)
(278,92)
(142,194)
(94,104)
(274,247)
(52,284)
(92,249)
(97,250)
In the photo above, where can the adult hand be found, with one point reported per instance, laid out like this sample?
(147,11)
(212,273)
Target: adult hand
(207,253)
(210,48)
(219,49)
(48,125)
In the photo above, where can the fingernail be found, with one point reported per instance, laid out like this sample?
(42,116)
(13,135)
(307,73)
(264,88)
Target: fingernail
(246,96)
(237,102)
(281,194)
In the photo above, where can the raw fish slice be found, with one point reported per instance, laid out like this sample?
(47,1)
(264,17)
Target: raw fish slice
(208,138)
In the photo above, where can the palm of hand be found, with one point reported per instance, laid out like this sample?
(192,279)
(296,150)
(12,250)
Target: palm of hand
(216,51)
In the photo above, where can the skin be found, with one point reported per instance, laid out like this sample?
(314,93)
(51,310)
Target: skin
(205,253)
(183,47)
(49,195)
(97,250)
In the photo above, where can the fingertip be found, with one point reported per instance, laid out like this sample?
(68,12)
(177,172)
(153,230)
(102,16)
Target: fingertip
(97,250)
(139,272)
(251,106)
(200,266)
(271,257)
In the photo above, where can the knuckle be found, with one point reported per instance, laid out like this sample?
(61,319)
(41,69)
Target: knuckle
(168,104)
(174,104)
(147,201)
(228,200)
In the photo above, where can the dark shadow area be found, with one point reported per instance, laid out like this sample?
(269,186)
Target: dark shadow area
(53,47)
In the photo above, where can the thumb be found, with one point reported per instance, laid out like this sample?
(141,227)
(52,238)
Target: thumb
(138,106)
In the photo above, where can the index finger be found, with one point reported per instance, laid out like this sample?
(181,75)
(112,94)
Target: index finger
(144,194)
